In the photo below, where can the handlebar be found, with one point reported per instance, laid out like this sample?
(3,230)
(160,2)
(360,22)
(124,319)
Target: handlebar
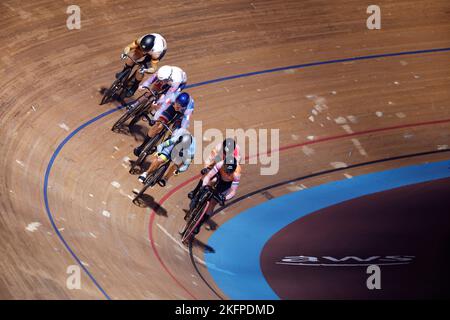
(218,199)
(135,62)
(215,195)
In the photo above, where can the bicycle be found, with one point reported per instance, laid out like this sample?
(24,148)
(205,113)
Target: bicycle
(196,214)
(119,86)
(150,147)
(137,112)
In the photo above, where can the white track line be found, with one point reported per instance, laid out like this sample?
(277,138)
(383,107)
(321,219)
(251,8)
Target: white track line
(360,148)
(179,243)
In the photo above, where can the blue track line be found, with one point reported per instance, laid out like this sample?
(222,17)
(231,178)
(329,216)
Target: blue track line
(312,64)
(106,113)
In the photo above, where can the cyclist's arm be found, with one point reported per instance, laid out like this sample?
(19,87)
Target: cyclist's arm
(213,155)
(153,64)
(131,46)
(207,178)
(187,162)
(168,142)
(170,96)
(147,83)
(185,165)
(163,106)
(187,114)
(234,186)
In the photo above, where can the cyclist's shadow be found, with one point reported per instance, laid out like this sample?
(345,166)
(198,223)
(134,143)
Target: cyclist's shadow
(147,201)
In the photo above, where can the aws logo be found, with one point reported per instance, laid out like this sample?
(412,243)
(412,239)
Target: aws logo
(347,261)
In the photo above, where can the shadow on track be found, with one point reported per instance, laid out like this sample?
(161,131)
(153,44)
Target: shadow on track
(208,249)
(147,201)
(139,132)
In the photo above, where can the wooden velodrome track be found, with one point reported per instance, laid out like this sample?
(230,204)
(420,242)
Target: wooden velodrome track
(50,80)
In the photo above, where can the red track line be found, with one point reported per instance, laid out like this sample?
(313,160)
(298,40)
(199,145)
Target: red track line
(150,231)
(185,183)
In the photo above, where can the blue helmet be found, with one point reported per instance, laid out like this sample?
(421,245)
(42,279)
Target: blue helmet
(183,99)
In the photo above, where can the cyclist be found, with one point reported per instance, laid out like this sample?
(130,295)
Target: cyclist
(167,83)
(227,175)
(219,153)
(182,107)
(149,48)
(180,149)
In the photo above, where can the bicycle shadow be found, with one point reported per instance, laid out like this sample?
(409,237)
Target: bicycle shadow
(102,90)
(211,225)
(139,169)
(138,131)
(122,130)
(147,201)
(199,244)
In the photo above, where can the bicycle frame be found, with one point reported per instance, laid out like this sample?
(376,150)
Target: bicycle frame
(200,210)
(153,179)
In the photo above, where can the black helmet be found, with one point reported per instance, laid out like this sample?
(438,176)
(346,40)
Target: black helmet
(230,165)
(147,42)
(228,146)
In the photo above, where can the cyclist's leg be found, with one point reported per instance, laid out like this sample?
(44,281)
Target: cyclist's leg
(155,129)
(192,194)
(164,155)
(157,160)
(133,85)
(197,195)
(128,63)
(166,116)
(170,171)
(138,76)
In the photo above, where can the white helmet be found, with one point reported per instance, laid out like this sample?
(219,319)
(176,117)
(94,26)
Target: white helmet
(165,73)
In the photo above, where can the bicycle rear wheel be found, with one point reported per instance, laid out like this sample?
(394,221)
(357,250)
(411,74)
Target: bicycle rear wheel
(108,95)
(116,86)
